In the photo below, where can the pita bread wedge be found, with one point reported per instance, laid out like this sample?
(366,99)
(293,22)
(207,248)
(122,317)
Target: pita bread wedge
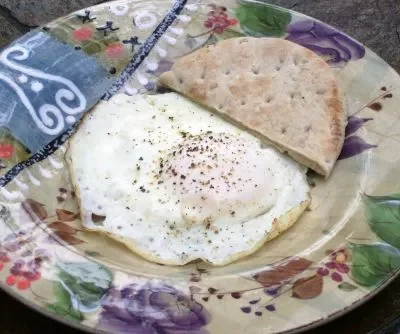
(278,90)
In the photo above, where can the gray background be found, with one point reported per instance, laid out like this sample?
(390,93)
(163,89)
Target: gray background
(375,23)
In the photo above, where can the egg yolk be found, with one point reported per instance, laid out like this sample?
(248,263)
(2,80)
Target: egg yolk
(219,177)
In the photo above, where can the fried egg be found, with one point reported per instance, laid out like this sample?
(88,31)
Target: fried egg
(176,183)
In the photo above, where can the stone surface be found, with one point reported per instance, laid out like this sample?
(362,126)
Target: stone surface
(7,32)
(376,23)
(34,13)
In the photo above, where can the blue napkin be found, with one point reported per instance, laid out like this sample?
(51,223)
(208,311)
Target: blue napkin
(45,87)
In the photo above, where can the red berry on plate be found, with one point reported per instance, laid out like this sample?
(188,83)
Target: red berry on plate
(323,271)
(23,284)
(11,280)
(31,275)
(15,271)
(336,277)
(208,23)
(1,266)
(342,268)
(330,265)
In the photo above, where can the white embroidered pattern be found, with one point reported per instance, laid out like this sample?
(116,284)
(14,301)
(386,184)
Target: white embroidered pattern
(32,179)
(130,90)
(44,172)
(192,7)
(119,9)
(170,40)
(56,164)
(161,52)
(49,118)
(151,65)
(12,195)
(142,79)
(21,185)
(177,31)
(184,18)
(145,20)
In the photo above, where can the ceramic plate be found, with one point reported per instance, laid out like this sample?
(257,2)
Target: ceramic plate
(341,253)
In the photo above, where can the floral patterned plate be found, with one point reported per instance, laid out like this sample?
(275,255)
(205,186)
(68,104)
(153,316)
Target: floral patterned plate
(341,253)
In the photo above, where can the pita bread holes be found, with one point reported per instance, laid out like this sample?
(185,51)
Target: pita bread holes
(213,86)
(296,60)
(255,70)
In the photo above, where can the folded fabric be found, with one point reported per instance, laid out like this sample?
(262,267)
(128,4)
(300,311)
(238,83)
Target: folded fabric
(48,81)
(45,87)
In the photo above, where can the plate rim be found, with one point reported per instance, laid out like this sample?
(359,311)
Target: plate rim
(299,329)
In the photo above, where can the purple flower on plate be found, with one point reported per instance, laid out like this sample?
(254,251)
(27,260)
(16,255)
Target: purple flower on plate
(334,46)
(353,144)
(151,309)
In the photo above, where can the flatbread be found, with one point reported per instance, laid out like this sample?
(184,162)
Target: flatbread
(280,91)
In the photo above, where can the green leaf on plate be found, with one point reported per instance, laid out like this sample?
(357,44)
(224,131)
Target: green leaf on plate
(63,306)
(374,263)
(345,286)
(383,215)
(62,310)
(262,20)
(85,282)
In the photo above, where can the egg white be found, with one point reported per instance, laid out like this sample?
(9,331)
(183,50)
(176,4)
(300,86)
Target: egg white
(140,179)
